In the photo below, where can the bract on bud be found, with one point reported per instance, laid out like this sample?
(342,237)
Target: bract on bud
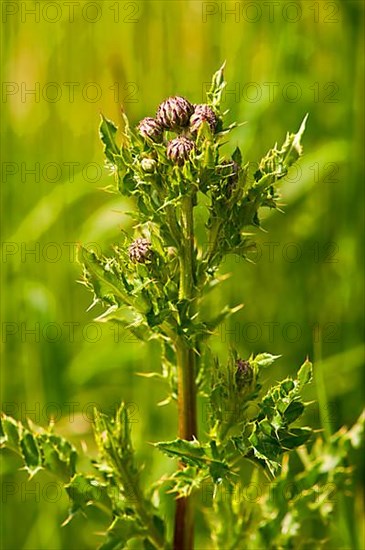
(150,128)
(174,113)
(178,149)
(203,113)
(140,250)
(244,374)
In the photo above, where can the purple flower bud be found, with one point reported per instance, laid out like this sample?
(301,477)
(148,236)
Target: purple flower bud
(140,250)
(203,113)
(244,374)
(174,113)
(178,149)
(150,128)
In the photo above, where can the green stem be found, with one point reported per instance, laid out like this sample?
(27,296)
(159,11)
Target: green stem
(139,502)
(321,386)
(185,358)
(187,267)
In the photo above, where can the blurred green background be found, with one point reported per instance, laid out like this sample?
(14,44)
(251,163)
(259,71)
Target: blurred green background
(304,293)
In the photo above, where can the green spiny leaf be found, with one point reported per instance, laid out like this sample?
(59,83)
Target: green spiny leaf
(265,359)
(108,131)
(121,531)
(85,491)
(58,456)
(305,374)
(10,432)
(237,156)
(214,96)
(31,453)
(292,148)
(195,454)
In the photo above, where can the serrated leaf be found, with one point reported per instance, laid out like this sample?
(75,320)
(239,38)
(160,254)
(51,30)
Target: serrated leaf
(293,411)
(10,432)
(85,491)
(227,311)
(265,359)
(121,531)
(108,132)
(58,456)
(194,454)
(31,453)
(185,480)
(214,96)
(237,156)
(191,452)
(39,448)
(305,373)
(105,284)
(275,165)
(129,319)
(295,437)
(292,148)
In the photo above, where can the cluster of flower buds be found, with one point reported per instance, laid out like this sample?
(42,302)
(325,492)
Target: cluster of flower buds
(140,251)
(177,114)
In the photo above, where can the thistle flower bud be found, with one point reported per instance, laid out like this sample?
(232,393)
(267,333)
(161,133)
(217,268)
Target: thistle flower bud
(148,165)
(150,128)
(174,113)
(203,113)
(178,149)
(140,250)
(244,374)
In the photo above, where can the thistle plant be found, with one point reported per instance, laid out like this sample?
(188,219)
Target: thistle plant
(155,286)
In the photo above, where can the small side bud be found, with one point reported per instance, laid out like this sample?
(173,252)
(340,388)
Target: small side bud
(203,113)
(150,128)
(148,165)
(178,149)
(174,113)
(140,251)
(244,374)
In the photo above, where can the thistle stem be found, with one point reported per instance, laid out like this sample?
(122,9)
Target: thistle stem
(187,264)
(185,357)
